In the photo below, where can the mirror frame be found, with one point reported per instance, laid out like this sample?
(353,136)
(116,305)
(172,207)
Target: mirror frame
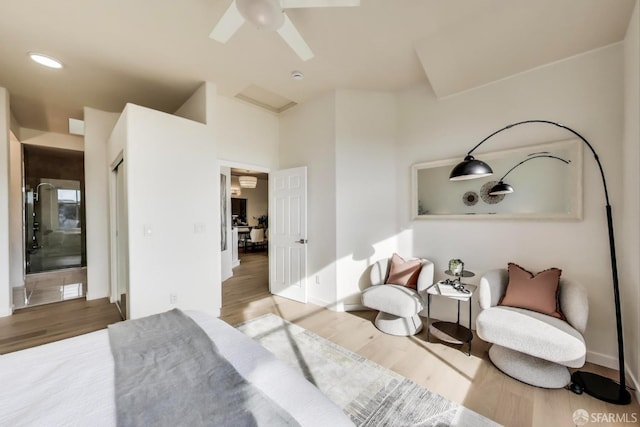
(575,145)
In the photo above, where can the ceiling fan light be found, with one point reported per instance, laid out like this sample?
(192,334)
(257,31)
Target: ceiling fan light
(264,14)
(248,181)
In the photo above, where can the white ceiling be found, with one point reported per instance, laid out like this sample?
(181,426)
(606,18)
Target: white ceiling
(156,52)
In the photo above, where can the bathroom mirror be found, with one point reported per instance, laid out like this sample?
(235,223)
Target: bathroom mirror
(543,188)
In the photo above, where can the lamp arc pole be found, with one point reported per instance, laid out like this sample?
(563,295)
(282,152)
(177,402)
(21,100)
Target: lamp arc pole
(596,385)
(502,188)
(537,156)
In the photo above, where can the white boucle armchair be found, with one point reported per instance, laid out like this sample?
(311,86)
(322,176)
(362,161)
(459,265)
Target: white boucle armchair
(398,305)
(529,346)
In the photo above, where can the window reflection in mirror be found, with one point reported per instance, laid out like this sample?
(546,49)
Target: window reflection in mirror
(544,188)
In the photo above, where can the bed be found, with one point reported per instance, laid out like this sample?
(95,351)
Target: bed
(71,382)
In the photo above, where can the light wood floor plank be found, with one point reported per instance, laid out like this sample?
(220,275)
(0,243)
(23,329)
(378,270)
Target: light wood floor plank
(470,380)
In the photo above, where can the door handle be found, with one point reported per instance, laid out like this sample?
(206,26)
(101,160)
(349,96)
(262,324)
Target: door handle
(303,241)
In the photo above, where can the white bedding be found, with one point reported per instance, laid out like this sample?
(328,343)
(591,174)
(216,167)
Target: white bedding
(70,382)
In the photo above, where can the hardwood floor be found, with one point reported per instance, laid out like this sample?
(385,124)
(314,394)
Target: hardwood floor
(470,380)
(33,326)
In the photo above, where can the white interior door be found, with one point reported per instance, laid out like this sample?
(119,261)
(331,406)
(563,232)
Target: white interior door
(288,233)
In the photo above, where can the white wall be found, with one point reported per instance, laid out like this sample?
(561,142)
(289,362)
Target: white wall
(202,107)
(630,236)
(195,108)
(16,252)
(98,126)
(245,136)
(583,92)
(51,139)
(5,123)
(14,126)
(307,138)
(245,133)
(366,225)
(181,253)
(16,240)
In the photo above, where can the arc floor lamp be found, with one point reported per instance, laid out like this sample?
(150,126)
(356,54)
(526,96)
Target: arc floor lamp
(503,188)
(596,385)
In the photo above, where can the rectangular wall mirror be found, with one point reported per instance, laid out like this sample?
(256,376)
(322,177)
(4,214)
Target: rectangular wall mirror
(543,187)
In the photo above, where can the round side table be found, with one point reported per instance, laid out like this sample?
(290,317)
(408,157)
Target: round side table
(451,332)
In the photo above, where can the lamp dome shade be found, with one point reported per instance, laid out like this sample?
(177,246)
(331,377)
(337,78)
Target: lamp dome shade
(264,14)
(470,168)
(248,181)
(500,188)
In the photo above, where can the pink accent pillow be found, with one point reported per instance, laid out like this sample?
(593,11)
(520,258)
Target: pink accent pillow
(404,273)
(534,292)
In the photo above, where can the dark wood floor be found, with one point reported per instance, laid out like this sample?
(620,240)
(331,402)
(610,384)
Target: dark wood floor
(30,327)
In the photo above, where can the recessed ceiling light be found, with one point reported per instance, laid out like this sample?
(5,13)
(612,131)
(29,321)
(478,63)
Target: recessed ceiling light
(297,75)
(45,60)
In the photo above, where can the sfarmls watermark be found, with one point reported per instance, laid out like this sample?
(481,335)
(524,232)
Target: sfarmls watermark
(581,417)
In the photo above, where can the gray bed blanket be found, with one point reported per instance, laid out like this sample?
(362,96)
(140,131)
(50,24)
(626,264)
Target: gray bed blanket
(169,373)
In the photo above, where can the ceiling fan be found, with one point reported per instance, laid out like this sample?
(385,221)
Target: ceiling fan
(269,15)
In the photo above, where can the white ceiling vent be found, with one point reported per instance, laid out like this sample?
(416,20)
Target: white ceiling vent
(76,127)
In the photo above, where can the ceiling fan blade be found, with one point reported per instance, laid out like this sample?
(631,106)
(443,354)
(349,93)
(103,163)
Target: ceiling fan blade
(295,41)
(228,24)
(292,4)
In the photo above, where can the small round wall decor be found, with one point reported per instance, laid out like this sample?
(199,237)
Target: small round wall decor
(470,198)
(488,198)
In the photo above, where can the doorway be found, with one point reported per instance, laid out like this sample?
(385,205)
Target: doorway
(248,229)
(249,211)
(54,226)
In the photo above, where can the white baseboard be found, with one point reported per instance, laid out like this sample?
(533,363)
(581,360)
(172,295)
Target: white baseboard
(355,307)
(320,302)
(6,311)
(98,295)
(602,360)
(632,381)
(333,306)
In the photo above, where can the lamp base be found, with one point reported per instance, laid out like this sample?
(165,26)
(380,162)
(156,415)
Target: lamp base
(601,388)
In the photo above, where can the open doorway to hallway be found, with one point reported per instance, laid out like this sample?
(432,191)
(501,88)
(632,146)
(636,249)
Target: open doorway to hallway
(250,209)
(245,239)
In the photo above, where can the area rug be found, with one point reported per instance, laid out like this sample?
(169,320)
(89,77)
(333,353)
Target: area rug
(368,393)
